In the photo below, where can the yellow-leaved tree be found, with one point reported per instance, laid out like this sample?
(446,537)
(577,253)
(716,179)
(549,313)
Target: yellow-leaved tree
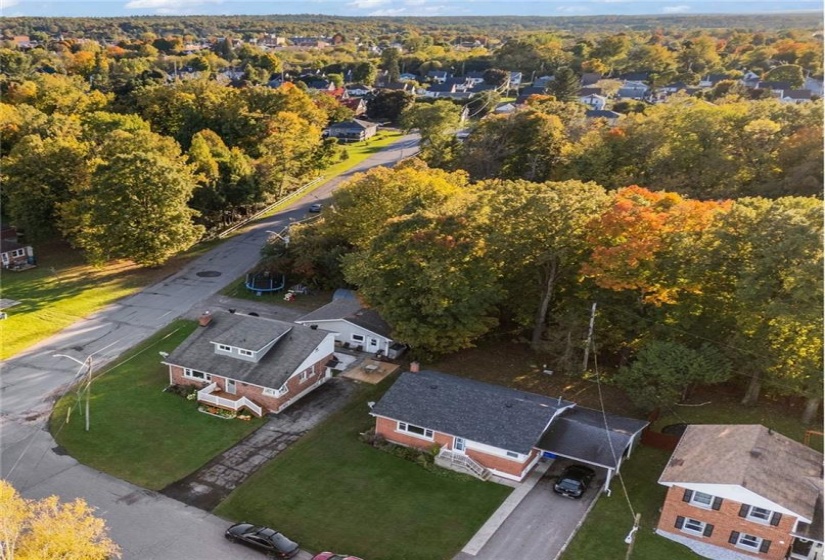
(47,528)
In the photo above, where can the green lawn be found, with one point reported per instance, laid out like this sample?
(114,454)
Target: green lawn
(63,289)
(330,491)
(603,534)
(359,151)
(138,432)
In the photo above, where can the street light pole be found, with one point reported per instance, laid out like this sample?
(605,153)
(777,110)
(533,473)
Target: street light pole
(87,363)
(88,389)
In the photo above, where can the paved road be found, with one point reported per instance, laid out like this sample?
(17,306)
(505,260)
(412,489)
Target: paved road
(147,525)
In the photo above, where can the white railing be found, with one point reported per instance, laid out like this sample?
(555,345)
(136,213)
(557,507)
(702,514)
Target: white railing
(451,459)
(205,395)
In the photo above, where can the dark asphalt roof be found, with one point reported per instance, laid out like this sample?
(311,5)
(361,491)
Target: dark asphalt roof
(242,331)
(6,246)
(353,124)
(198,353)
(602,113)
(491,414)
(351,311)
(579,433)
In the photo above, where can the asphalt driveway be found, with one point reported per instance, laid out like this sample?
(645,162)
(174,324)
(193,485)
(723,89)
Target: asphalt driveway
(541,524)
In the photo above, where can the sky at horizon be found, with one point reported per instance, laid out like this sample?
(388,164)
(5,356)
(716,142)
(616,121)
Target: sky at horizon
(421,8)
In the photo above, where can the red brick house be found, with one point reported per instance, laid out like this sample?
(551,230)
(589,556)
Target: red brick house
(243,362)
(739,492)
(488,430)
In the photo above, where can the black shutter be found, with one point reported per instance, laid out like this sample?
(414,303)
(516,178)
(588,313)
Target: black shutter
(765,546)
(680,521)
(717,503)
(743,511)
(688,495)
(775,518)
(708,530)
(734,537)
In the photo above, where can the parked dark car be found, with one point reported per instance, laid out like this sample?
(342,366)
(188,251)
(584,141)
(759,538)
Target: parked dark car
(317,207)
(573,481)
(263,538)
(333,556)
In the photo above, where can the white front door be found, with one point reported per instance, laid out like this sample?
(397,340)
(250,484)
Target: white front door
(230,386)
(459,445)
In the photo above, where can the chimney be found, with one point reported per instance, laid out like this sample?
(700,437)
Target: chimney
(205,318)
(415,367)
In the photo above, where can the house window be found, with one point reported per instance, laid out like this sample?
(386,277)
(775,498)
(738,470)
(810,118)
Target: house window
(512,454)
(224,348)
(275,392)
(18,253)
(305,374)
(357,338)
(245,352)
(693,526)
(701,499)
(192,374)
(415,430)
(749,541)
(760,515)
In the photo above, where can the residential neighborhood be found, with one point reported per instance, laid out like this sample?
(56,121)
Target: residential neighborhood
(399,281)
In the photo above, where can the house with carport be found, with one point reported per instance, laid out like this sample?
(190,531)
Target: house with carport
(489,430)
(262,365)
(742,492)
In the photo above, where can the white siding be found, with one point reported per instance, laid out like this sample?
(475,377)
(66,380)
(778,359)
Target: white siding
(344,330)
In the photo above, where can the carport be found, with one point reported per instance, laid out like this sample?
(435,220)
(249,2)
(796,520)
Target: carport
(580,434)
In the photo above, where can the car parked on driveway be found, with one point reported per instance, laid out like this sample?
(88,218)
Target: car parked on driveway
(333,556)
(315,208)
(573,481)
(262,538)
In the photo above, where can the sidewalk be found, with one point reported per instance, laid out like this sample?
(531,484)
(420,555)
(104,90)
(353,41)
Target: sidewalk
(210,485)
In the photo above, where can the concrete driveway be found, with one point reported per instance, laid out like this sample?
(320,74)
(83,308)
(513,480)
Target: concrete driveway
(540,526)
(147,525)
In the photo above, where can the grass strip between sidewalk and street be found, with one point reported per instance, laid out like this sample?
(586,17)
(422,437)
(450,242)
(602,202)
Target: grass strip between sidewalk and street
(139,432)
(331,491)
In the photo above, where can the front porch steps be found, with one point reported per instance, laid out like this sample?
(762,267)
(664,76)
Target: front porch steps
(459,462)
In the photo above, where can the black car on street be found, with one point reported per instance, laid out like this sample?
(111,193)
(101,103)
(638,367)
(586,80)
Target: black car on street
(263,538)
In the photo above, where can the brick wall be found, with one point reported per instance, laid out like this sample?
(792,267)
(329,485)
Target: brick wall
(724,521)
(255,393)
(386,428)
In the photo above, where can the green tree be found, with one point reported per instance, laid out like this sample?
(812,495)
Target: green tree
(364,73)
(537,234)
(664,372)
(526,144)
(389,104)
(790,73)
(38,176)
(135,205)
(437,123)
(440,260)
(390,62)
(565,85)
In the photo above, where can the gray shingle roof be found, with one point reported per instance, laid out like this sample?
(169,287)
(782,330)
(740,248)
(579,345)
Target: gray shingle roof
(752,456)
(579,433)
(601,113)
(499,416)
(6,245)
(353,124)
(352,311)
(236,330)
(198,353)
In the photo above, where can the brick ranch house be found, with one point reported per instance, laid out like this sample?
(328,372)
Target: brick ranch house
(739,492)
(489,430)
(263,365)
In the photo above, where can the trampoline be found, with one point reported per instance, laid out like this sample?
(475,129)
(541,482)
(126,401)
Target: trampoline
(265,282)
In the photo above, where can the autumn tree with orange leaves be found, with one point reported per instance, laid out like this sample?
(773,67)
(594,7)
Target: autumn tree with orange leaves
(648,242)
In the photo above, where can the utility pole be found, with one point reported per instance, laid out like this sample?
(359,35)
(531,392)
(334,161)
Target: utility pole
(88,390)
(589,337)
(631,537)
